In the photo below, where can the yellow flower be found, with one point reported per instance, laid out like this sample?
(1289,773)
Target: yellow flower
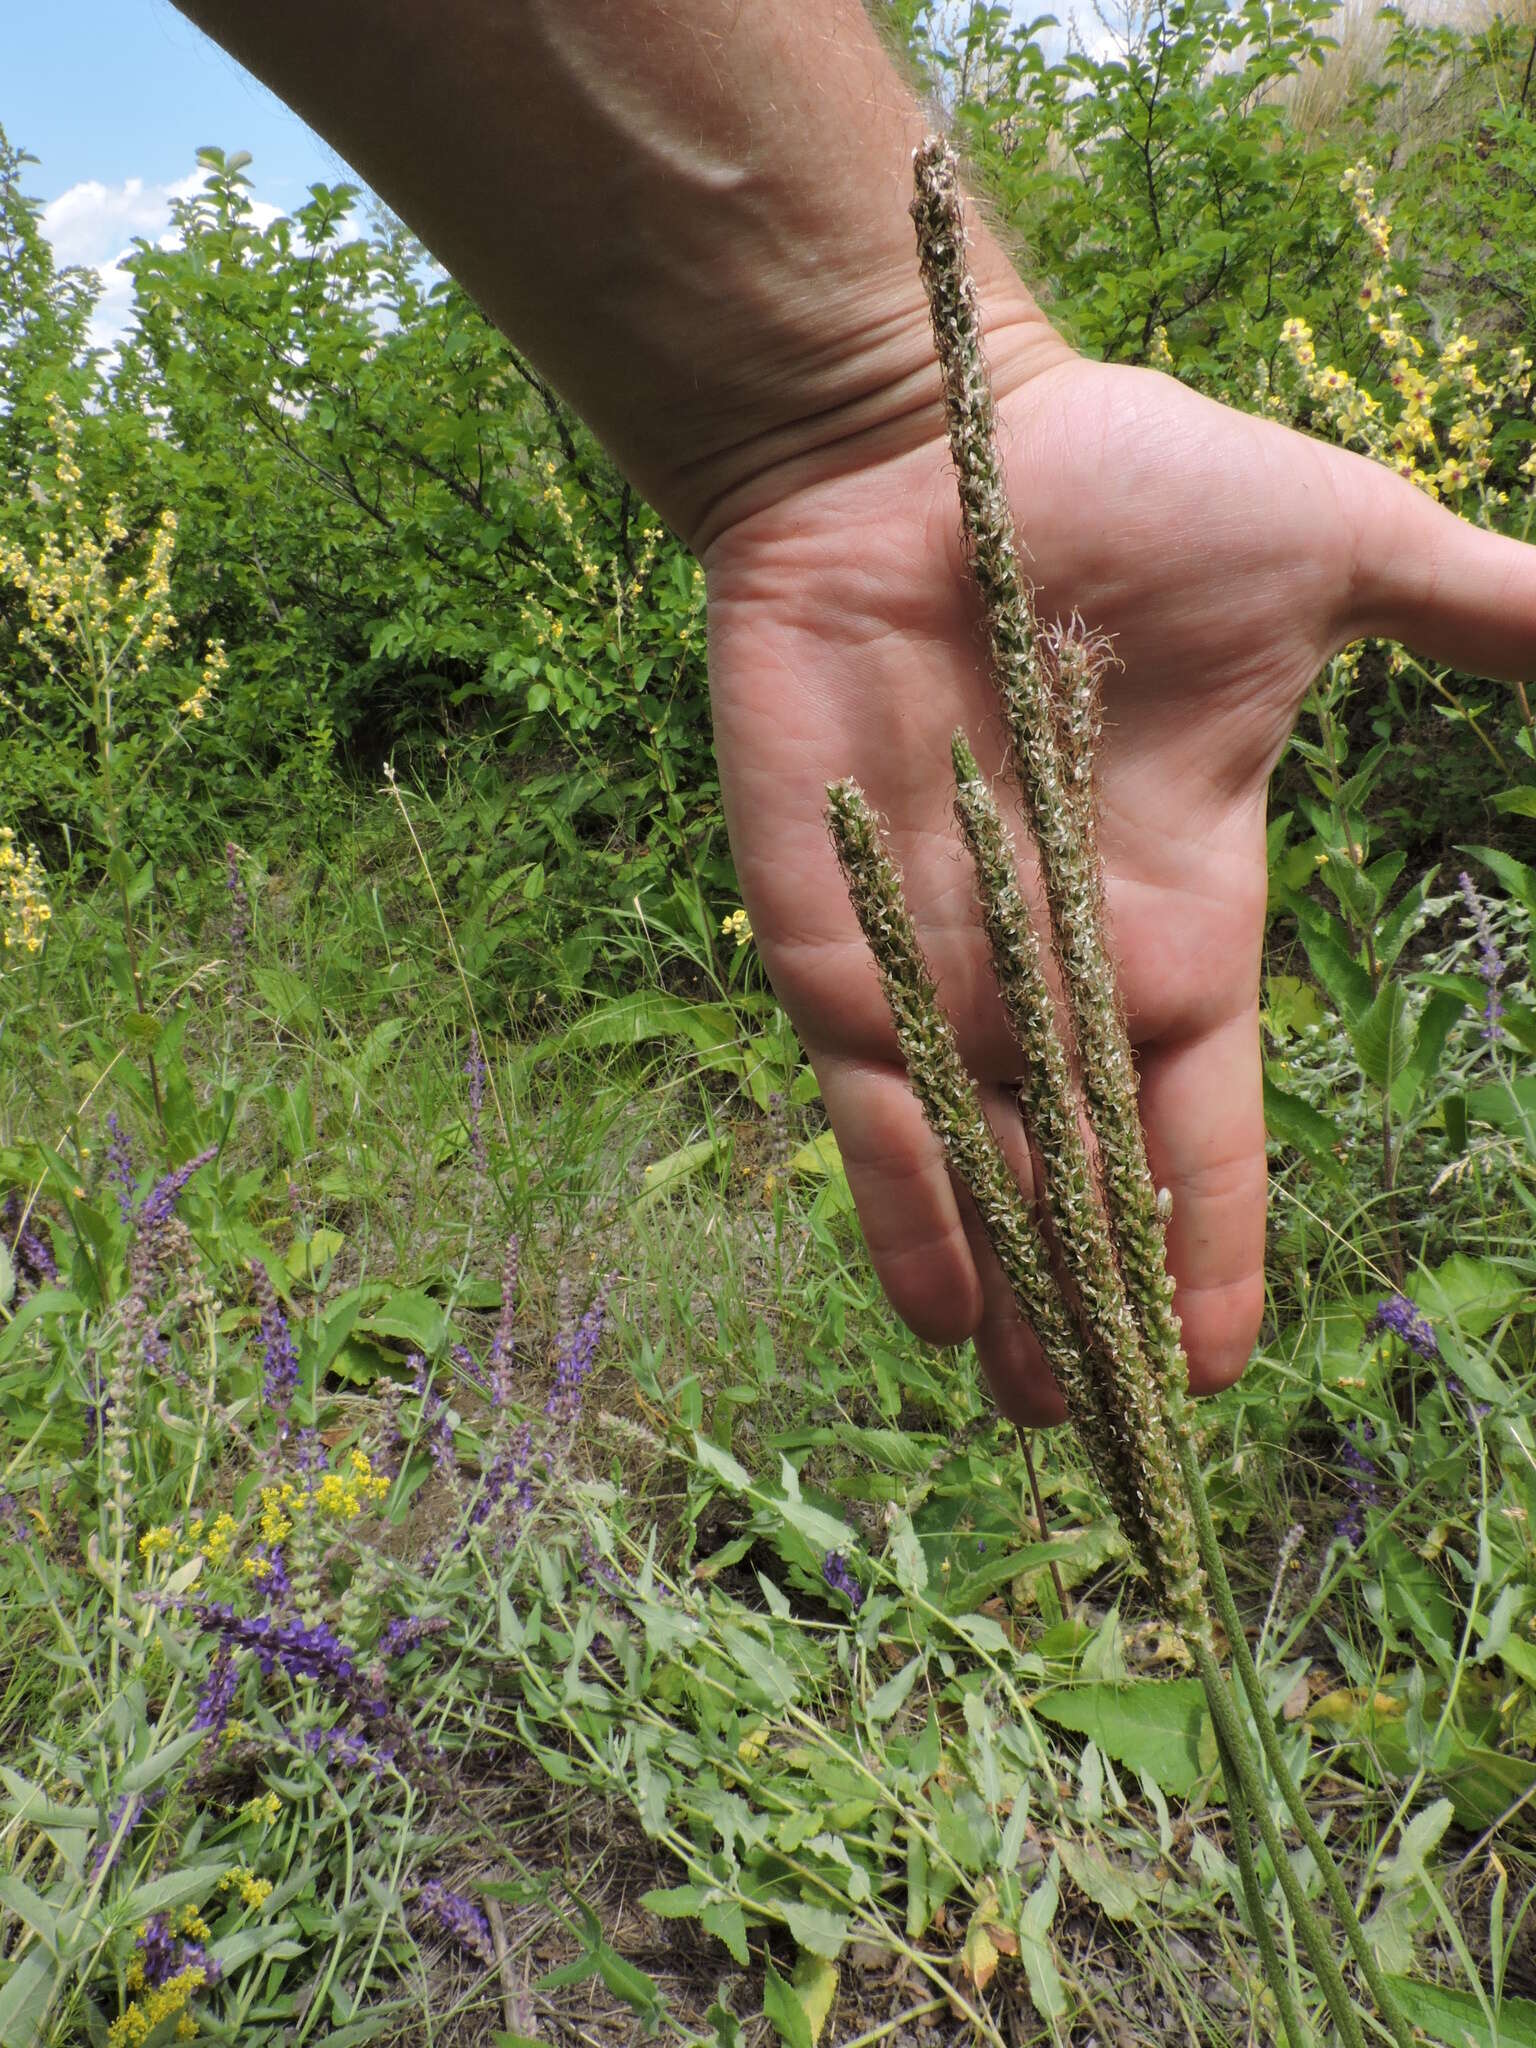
(254,1891)
(157,1542)
(263,1810)
(221,1538)
(191,1922)
(736,922)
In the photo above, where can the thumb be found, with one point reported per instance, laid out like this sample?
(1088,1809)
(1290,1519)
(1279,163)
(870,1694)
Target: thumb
(1440,585)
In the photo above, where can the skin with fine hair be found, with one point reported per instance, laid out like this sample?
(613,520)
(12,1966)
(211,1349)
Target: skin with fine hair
(692,215)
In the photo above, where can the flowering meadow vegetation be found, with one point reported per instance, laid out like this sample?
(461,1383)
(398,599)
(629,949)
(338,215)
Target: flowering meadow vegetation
(481,1562)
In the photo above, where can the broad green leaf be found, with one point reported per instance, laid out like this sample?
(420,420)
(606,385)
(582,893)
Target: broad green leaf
(1294,1122)
(1115,1892)
(307,1257)
(728,1470)
(1517,878)
(1520,802)
(1383,1036)
(1159,1726)
(907,1556)
(886,1699)
(819,1157)
(815,1984)
(781,2005)
(25,1997)
(412,1317)
(1456,2018)
(1035,1951)
(824,1933)
(676,1168)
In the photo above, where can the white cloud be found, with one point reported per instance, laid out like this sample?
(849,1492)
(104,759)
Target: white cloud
(95,225)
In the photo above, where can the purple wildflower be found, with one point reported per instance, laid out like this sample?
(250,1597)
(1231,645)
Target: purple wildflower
(461,1918)
(157,1948)
(407,1631)
(218,1693)
(162,1198)
(464,1359)
(120,1167)
(576,1358)
(507,1483)
(274,1581)
(122,1819)
(315,1653)
(1398,1315)
(1360,1475)
(309,1454)
(499,1358)
(31,1257)
(1490,964)
(10,1514)
(163,1956)
(280,1362)
(474,1068)
(834,1569)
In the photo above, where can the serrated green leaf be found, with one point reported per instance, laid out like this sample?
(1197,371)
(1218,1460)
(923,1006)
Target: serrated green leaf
(1383,1037)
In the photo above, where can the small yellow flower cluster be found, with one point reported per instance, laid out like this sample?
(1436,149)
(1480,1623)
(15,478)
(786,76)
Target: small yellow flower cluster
(137,2022)
(157,1542)
(263,1810)
(190,1922)
(739,923)
(347,1495)
(1159,354)
(587,565)
(222,1538)
(215,666)
(24,906)
(254,1891)
(277,1506)
(1441,436)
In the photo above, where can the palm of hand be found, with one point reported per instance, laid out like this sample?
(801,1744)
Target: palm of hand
(1224,557)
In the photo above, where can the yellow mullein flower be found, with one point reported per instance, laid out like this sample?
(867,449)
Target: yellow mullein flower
(738,923)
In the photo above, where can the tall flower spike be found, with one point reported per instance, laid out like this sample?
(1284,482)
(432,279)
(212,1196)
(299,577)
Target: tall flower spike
(953,1109)
(1128,1396)
(1074,897)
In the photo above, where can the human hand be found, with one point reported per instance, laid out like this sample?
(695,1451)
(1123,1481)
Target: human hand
(1228,558)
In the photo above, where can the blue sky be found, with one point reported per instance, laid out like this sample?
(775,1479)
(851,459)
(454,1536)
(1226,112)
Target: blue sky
(115,98)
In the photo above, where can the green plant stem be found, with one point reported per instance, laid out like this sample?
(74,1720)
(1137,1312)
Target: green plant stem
(1231,1734)
(1248,1678)
(1297,2032)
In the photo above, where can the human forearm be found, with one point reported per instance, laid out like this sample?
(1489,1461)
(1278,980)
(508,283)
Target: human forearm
(692,216)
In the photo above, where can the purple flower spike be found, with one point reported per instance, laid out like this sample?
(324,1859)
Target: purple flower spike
(217,1695)
(30,1255)
(280,1362)
(157,1950)
(461,1918)
(834,1569)
(499,1358)
(1398,1315)
(1490,964)
(576,1358)
(474,1068)
(162,1198)
(120,1167)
